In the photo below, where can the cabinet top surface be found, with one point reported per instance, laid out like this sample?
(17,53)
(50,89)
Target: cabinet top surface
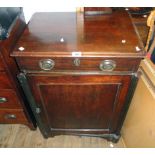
(67,33)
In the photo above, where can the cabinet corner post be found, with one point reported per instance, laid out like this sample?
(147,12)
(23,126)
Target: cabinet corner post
(34,107)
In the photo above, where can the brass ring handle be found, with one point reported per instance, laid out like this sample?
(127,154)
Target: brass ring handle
(107,65)
(77,62)
(46,64)
(10,116)
(3,100)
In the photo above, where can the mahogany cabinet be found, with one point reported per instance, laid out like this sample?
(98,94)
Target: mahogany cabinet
(79,72)
(13,107)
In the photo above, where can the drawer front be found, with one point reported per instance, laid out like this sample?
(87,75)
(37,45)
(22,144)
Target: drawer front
(78,64)
(9,99)
(12,116)
(4,81)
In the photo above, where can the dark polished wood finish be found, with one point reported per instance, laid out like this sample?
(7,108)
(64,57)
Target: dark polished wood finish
(97,10)
(13,105)
(86,64)
(12,99)
(76,95)
(93,36)
(80,103)
(13,116)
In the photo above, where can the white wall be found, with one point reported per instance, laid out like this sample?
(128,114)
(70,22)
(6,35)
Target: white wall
(31,6)
(29,11)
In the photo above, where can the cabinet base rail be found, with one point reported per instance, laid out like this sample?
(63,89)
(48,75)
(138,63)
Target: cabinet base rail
(109,137)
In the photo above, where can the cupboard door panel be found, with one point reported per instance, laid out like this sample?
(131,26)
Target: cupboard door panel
(75,106)
(80,103)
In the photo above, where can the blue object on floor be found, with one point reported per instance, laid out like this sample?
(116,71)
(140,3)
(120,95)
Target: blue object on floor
(153,56)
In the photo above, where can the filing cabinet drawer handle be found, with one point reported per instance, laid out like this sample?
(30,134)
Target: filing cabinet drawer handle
(46,64)
(3,100)
(10,116)
(77,62)
(107,65)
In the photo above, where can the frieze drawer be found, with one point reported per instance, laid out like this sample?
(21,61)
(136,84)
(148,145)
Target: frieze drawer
(48,64)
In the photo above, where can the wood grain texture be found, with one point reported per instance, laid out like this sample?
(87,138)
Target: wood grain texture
(7,136)
(4,81)
(19,136)
(11,99)
(9,86)
(99,35)
(17,113)
(79,103)
(86,64)
(2,66)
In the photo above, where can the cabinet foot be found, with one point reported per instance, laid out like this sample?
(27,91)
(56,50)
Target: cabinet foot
(31,126)
(113,138)
(109,137)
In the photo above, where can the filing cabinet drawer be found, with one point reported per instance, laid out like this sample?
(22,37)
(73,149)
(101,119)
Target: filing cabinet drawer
(78,64)
(12,116)
(4,81)
(8,99)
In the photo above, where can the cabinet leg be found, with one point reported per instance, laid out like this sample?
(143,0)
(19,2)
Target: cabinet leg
(32,127)
(109,137)
(113,138)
